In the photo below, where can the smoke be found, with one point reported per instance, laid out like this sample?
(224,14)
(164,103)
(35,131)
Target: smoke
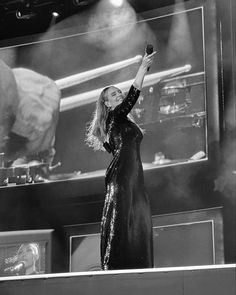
(106,16)
(225,182)
(180,37)
(8,55)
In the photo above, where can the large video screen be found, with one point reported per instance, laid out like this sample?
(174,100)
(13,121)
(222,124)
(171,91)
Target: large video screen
(49,88)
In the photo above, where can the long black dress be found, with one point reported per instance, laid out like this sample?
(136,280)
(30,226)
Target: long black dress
(126,228)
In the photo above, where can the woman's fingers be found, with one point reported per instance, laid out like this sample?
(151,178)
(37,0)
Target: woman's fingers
(148,59)
(148,56)
(152,54)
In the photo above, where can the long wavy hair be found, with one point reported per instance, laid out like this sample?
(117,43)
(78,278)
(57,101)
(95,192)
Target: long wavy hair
(96,133)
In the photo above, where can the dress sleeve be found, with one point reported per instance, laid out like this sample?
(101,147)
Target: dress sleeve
(129,101)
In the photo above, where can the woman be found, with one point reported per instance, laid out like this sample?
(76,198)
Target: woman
(28,254)
(126,228)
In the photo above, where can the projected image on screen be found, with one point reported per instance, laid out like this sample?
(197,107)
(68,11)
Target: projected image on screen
(22,259)
(49,89)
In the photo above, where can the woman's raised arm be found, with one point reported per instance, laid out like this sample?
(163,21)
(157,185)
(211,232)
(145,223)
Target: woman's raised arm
(146,63)
(129,101)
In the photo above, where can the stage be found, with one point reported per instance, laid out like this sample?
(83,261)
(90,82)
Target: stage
(194,280)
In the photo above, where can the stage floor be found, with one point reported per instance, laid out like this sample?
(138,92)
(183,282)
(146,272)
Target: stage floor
(191,280)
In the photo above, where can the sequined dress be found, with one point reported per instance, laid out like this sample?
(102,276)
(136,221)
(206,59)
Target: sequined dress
(126,228)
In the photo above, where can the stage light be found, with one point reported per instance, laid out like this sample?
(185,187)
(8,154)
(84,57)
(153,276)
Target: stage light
(78,2)
(55,14)
(25,10)
(23,15)
(117,3)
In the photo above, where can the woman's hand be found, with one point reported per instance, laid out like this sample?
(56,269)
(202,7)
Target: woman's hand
(145,64)
(147,60)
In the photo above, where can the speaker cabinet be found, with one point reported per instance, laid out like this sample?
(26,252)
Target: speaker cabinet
(180,239)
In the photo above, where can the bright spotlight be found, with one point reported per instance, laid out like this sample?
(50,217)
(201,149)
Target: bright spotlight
(25,10)
(55,14)
(78,2)
(117,3)
(27,15)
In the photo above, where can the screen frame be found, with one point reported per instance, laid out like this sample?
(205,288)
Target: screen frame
(9,238)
